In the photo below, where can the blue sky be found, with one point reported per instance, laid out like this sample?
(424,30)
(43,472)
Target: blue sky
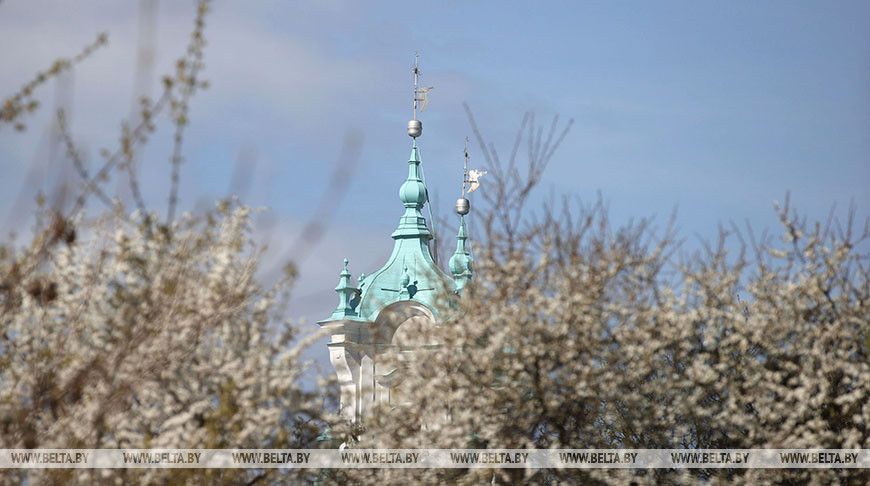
(714,108)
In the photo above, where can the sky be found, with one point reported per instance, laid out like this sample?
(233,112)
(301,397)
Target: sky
(712,109)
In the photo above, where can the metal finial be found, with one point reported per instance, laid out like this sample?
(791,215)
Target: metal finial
(462,204)
(415,128)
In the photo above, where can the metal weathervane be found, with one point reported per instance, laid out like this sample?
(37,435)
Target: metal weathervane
(470,182)
(420,93)
(465,169)
(470,178)
(415,126)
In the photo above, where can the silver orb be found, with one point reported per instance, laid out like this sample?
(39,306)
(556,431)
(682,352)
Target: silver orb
(415,128)
(462,206)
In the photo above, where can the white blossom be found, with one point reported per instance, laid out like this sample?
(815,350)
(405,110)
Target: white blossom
(144,336)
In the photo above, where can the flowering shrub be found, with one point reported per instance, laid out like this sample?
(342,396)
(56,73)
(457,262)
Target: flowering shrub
(576,334)
(140,335)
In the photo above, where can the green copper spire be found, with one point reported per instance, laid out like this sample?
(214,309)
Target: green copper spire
(461,262)
(394,307)
(413,195)
(410,273)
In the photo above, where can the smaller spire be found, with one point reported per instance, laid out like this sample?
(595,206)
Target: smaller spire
(346,294)
(461,263)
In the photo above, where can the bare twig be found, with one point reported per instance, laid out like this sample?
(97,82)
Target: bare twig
(73,153)
(22,102)
(507,194)
(188,68)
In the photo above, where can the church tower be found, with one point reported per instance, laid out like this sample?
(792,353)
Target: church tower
(390,312)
